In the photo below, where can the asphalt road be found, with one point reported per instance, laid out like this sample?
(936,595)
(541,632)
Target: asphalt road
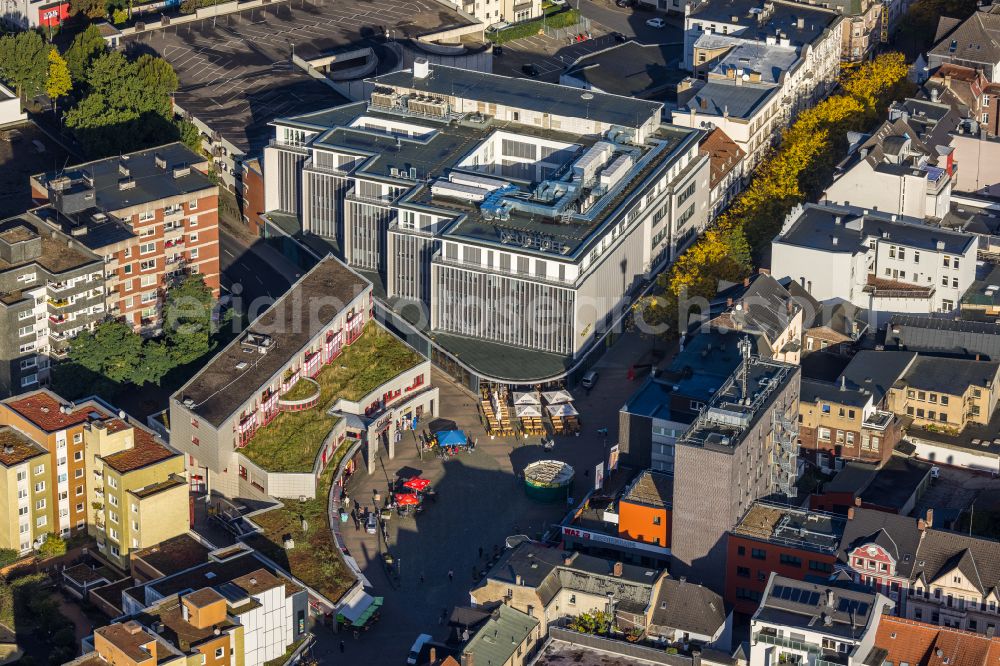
(631,22)
(253,273)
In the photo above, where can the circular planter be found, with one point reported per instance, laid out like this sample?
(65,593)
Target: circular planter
(301,403)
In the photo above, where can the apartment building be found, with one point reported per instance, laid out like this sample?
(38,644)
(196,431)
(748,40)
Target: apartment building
(10,107)
(26,500)
(728,170)
(103,473)
(894,486)
(224,418)
(152,215)
(454,187)
(740,448)
(814,624)
(840,422)
(946,393)
(874,260)
(230,611)
(52,288)
(969,43)
(550,586)
(755,65)
(776,538)
(762,307)
(906,167)
(138,493)
(490,12)
(261,611)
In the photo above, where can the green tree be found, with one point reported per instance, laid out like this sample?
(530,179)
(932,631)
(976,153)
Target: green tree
(59,83)
(157,361)
(187,319)
(85,47)
(90,8)
(119,16)
(53,546)
(112,350)
(8,555)
(24,63)
(190,135)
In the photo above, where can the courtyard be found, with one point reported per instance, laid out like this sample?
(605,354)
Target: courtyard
(480,502)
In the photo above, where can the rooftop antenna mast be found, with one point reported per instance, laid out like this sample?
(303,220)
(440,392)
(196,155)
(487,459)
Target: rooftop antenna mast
(744,347)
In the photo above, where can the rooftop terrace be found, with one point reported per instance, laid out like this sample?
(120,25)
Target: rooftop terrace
(789,525)
(221,388)
(292,440)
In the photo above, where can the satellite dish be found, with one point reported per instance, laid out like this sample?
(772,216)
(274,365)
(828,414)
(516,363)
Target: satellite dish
(587,96)
(746,77)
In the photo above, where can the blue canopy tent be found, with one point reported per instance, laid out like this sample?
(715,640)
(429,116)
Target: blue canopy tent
(452,438)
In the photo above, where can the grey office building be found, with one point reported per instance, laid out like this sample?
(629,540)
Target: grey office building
(511,220)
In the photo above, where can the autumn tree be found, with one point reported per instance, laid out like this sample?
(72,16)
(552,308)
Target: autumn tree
(59,83)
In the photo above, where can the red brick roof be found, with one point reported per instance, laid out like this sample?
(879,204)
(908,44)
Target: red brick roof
(146,450)
(723,153)
(42,409)
(921,644)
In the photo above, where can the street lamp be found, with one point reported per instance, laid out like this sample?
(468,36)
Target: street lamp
(603,432)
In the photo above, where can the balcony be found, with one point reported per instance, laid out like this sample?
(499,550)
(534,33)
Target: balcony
(289,146)
(886,288)
(58,302)
(59,286)
(771,639)
(878,420)
(173,243)
(58,319)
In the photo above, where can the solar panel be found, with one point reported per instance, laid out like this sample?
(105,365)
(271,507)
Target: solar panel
(796,593)
(852,606)
(813,598)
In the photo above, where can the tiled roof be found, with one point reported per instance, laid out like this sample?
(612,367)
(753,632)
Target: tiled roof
(174,555)
(920,644)
(688,608)
(43,410)
(723,153)
(146,450)
(16,447)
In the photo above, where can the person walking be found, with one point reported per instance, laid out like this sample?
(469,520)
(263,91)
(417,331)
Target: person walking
(342,646)
(480,552)
(451,575)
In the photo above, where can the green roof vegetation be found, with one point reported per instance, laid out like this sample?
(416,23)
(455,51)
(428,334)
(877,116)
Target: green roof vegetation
(315,560)
(303,389)
(292,440)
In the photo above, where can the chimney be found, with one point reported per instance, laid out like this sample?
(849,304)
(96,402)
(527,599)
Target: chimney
(930,518)
(843,383)
(850,513)
(433,655)
(518,580)
(468,659)
(857,501)
(921,525)
(977,357)
(617,570)
(763,271)
(829,598)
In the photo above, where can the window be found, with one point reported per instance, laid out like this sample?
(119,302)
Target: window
(79,473)
(193,238)
(824,434)
(147,281)
(916,256)
(823,567)
(146,216)
(147,248)
(743,572)
(790,560)
(28,380)
(112,481)
(147,265)
(656,520)
(193,205)
(944,400)
(758,554)
(741,550)
(22,475)
(41,521)
(193,253)
(40,504)
(902,253)
(954,262)
(947,261)
(220,652)
(39,469)
(112,500)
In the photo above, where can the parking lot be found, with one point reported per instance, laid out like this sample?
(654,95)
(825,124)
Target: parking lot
(235,70)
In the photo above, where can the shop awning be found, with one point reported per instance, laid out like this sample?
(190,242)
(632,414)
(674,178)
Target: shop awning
(557,397)
(407,499)
(360,610)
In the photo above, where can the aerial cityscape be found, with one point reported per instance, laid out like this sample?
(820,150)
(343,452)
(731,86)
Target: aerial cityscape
(500,332)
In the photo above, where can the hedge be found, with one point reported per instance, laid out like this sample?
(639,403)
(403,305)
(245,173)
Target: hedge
(563,19)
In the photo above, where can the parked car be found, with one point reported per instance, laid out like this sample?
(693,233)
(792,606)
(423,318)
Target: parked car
(371,525)
(497,51)
(619,38)
(589,379)
(656,22)
(498,26)
(624,3)
(416,647)
(529,69)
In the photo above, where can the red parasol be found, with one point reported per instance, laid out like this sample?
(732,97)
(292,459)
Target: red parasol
(417,484)
(407,499)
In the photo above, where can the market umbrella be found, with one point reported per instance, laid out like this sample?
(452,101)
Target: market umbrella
(562,410)
(407,499)
(417,484)
(557,397)
(526,398)
(527,411)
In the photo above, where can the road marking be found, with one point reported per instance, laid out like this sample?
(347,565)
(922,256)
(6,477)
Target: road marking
(230,253)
